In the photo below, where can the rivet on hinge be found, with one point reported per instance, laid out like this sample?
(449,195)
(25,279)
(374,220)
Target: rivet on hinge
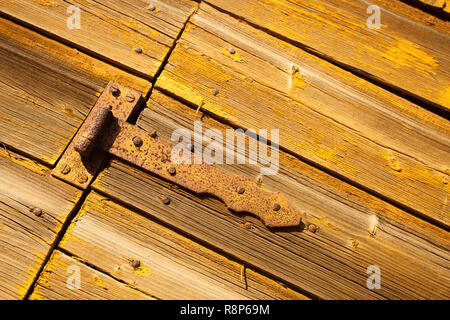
(66,169)
(137,141)
(240,190)
(115,90)
(172,171)
(130,97)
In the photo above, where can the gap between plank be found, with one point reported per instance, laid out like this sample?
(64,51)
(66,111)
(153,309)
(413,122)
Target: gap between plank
(435,11)
(75,46)
(420,101)
(169,53)
(206,244)
(90,265)
(62,231)
(326,170)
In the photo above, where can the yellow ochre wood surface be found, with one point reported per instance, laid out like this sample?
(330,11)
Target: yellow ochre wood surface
(363,117)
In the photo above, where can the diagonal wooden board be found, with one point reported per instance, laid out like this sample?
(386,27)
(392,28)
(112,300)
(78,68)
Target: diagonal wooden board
(356,230)
(47,90)
(26,238)
(94,285)
(441,4)
(403,54)
(108,236)
(110,29)
(325,115)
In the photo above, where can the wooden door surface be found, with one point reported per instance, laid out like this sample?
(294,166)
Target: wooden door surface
(362,152)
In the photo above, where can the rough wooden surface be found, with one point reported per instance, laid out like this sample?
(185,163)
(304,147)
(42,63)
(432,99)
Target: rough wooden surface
(441,4)
(110,29)
(26,238)
(110,237)
(193,248)
(46,91)
(356,229)
(401,54)
(405,9)
(324,114)
(56,283)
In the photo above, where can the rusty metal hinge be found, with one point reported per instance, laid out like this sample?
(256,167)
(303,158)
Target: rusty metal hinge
(105,129)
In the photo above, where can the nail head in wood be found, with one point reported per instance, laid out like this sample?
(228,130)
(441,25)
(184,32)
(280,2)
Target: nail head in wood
(135,264)
(36,211)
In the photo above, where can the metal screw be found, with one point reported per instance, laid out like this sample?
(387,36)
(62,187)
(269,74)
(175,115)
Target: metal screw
(276,207)
(172,170)
(215,92)
(138,50)
(82,178)
(130,97)
(231,50)
(115,90)
(151,7)
(36,211)
(135,264)
(66,169)
(153,133)
(165,200)
(312,228)
(137,141)
(240,190)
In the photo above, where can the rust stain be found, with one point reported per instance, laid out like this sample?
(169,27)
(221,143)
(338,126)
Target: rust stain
(82,168)
(154,155)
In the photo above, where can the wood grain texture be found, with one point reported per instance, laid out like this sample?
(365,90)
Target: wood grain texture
(324,114)
(355,229)
(110,237)
(111,29)
(26,238)
(403,54)
(413,13)
(46,91)
(94,285)
(441,4)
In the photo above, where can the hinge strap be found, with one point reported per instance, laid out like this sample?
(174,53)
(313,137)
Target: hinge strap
(106,129)
(239,194)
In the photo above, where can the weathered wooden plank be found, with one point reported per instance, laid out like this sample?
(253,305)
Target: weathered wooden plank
(441,4)
(111,29)
(404,8)
(324,114)
(47,89)
(355,229)
(110,237)
(57,282)
(403,54)
(26,238)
